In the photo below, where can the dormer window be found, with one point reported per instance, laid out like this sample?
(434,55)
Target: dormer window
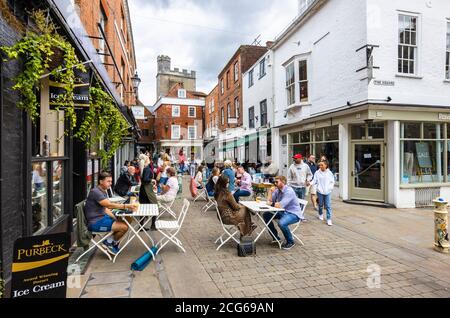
(181,93)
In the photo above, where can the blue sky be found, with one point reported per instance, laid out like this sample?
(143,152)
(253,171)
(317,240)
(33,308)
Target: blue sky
(200,35)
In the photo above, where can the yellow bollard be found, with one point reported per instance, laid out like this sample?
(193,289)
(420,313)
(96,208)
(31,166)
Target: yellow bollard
(441,242)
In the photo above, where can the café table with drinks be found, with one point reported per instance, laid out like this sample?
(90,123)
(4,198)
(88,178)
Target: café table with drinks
(141,217)
(259,208)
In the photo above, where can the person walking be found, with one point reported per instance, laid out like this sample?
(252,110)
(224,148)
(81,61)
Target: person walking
(312,189)
(324,181)
(299,176)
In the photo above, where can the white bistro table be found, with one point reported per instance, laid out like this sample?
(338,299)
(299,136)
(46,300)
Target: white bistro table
(259,208)
(144,211)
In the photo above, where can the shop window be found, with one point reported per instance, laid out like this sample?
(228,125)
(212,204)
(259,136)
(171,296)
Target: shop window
(359,132)
(376,131)
(326,144)
(48,164)
(48,131)
(411,130)
(58,190)
(295,138)
(422,159)
(319,135)
(305,136)
(39,196)
(433,131)
(332,133)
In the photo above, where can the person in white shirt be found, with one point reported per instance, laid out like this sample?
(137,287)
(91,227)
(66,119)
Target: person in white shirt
(199,178)
(170,190)
(324,182)
(299,176)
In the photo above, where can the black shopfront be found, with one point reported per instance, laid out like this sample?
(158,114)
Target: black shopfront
(44,172)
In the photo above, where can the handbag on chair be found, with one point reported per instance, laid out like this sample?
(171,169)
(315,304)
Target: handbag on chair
(246,247)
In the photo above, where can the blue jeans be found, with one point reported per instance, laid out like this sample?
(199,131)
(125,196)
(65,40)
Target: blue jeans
(325,201)
(300,192)
(241,193)
(286,219)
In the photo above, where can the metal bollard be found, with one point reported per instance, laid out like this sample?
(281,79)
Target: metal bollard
(441,241)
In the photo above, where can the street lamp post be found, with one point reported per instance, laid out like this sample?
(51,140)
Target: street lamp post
(136,81)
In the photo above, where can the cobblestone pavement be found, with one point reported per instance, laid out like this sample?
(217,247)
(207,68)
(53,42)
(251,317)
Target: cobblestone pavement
(338,261)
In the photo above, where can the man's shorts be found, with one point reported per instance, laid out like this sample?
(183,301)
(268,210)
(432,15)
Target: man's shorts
(103,225)
(312,189)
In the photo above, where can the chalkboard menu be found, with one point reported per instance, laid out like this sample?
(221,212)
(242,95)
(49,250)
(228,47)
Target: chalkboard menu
(423,155)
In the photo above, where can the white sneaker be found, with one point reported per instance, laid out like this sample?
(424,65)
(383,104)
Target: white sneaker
(330,223)
(321,217)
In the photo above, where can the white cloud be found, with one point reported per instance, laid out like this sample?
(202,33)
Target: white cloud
(200,35)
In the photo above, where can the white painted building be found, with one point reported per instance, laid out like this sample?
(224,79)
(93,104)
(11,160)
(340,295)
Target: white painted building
(258,110)
(367,83)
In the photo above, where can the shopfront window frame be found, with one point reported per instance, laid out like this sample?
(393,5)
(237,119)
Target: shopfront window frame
(444,140)
(313,144)
(49,161)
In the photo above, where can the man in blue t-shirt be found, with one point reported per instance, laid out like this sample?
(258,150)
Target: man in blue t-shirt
(100,217)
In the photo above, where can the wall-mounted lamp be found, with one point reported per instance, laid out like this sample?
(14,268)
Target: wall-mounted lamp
(256,118)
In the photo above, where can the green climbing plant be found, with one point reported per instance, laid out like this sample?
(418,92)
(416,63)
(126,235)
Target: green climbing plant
(105,119)
(37,49)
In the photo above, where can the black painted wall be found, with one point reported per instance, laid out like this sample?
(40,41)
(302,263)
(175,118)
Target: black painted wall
(12,138)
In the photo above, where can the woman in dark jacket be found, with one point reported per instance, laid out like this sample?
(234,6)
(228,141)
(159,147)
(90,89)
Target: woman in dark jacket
(230,211)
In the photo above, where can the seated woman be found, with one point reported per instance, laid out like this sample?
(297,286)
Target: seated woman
(169,190)
(210,185)
(245,185)
(199,178)
(230,211)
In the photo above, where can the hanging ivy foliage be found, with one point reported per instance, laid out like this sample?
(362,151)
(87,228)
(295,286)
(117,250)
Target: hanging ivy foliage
(106,120)
(37,51)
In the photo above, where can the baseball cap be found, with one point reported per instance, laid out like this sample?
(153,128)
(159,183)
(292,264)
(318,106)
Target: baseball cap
(298,156)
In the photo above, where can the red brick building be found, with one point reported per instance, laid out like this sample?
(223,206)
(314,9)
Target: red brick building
(211,114)
(229,110)
(108,23)
(179,120)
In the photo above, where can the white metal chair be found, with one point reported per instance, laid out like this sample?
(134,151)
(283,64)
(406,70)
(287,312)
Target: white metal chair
(202,193)
(303,205)
(96,243)
(170,229)
(211,203)
(167,208)
(229,234)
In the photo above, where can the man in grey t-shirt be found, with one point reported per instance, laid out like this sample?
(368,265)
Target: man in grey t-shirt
(100,217)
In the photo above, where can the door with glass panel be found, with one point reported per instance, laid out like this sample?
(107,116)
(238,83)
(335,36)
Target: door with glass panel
(367,174)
